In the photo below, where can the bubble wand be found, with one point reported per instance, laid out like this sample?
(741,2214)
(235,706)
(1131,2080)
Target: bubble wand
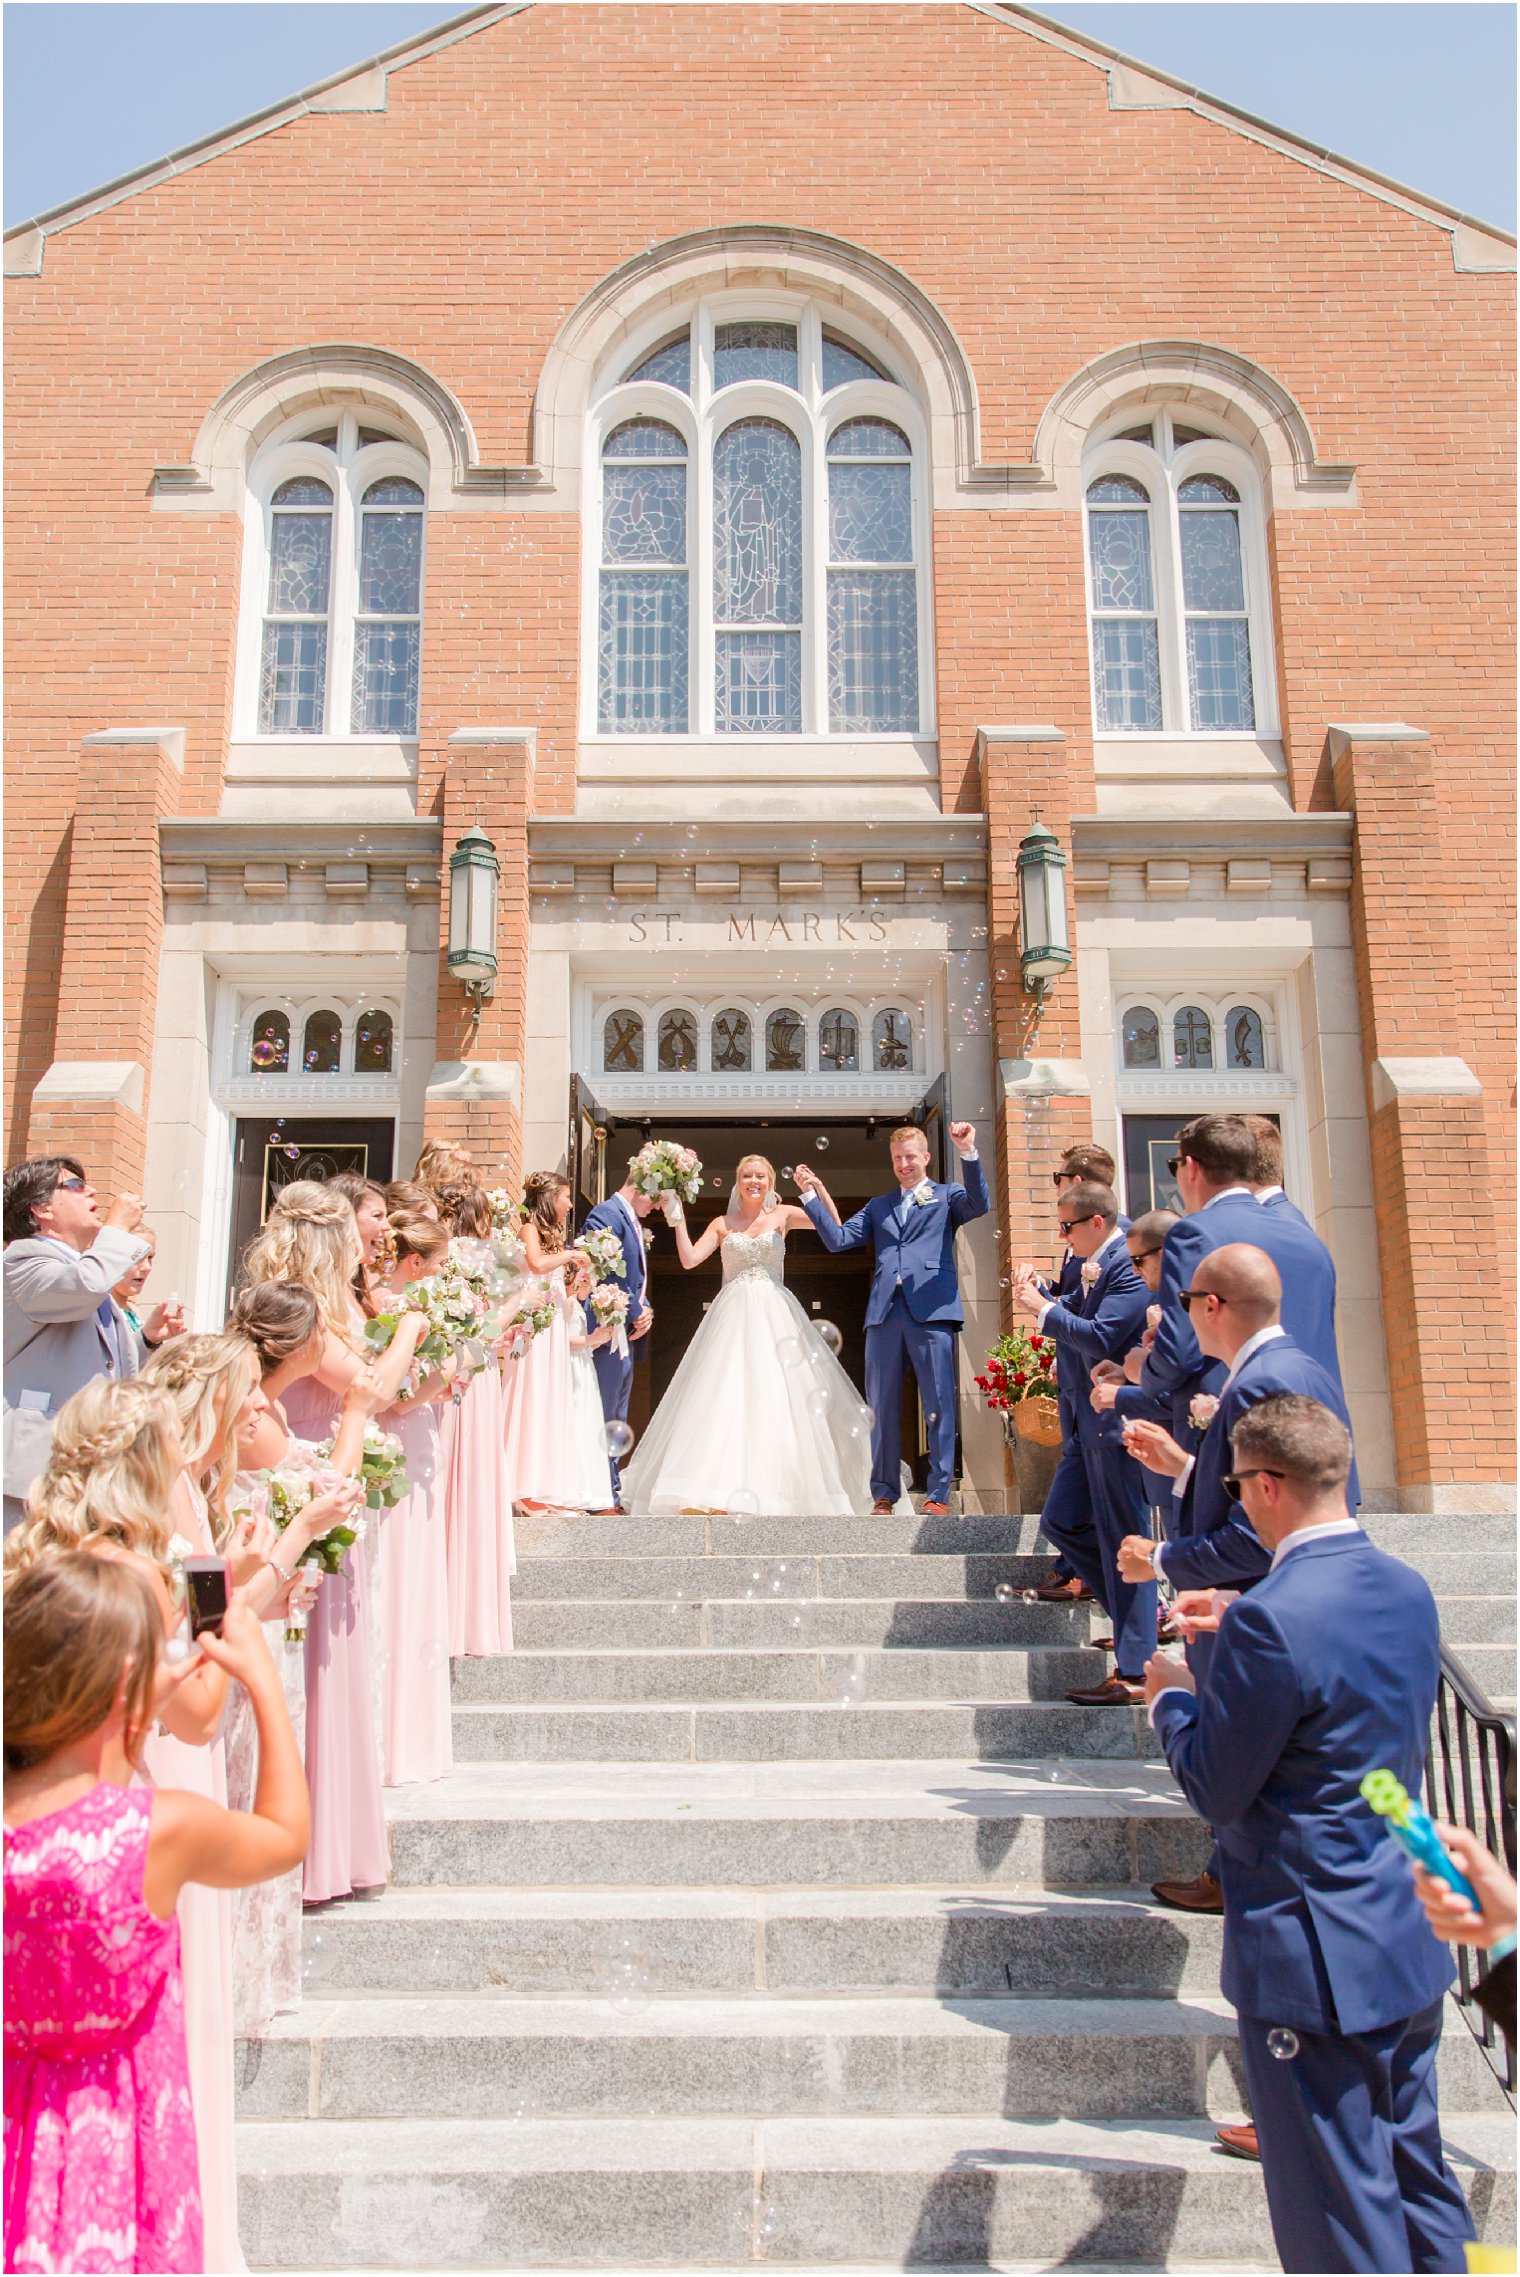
(1410,1825)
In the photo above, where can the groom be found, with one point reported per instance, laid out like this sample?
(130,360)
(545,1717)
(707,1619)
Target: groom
(914,1315)
(622,1213)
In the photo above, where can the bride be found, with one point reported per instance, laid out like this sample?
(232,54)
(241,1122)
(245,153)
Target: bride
(759,1416)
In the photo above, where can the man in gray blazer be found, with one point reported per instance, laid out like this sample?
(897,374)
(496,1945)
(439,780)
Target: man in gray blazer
(62,1260)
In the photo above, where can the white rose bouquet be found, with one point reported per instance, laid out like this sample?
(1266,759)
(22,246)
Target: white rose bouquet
(662,1168)
(606,1254)
(506,1215)
(609,1306)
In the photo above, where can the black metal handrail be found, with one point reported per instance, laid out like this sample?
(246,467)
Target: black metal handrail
(1470,1781)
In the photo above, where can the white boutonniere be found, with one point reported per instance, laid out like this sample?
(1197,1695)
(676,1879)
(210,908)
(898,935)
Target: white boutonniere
(1092,1273)
(1153,1316)
(1202,1409)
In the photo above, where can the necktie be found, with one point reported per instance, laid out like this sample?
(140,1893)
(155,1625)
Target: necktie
(105,1314)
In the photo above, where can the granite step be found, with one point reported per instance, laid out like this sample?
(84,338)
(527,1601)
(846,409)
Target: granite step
(781,1673)
(695,1624)
(770,1943)
(755,1576)
(1056,1822)
(911,2190)
(831,1731)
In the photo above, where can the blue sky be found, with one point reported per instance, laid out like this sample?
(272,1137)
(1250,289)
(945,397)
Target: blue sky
(1422,92)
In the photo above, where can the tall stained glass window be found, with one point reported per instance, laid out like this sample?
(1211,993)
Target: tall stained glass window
(388,622)
(293,674)
(623,1043)
(1218,630)
(1245,1045)
(1126,638)
(873,599)
(757,578)
(892,1042)
(643,633)
(839,1043)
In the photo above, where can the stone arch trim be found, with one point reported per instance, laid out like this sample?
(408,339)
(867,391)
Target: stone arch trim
(1255,409)
(767,259)
(339,376)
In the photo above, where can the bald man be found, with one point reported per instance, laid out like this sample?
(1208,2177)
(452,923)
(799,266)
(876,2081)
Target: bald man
(1234,1304)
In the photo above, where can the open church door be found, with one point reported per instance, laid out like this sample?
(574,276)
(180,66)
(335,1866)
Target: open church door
(586,1149)
(932,1115)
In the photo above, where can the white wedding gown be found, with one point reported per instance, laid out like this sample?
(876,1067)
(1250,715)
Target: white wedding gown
(760,1417)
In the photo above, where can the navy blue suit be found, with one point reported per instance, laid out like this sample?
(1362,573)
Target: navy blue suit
(1326,1671)
(614,1370)
(1280,1202)
(912,1317)
(1097,1495)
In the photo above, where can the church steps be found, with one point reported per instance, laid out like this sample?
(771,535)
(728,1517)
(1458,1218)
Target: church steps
(819,1731)
(978,2191)
(779,1673)
(554,1624)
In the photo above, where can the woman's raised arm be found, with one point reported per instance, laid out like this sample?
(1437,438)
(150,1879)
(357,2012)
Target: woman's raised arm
(693,1252)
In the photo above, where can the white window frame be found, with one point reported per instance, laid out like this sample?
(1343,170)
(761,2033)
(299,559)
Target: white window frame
(700,418)
(1161,473)
(312,1092)
(811,1008)
(348,473)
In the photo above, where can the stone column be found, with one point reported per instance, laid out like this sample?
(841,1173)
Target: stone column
(1447,1313)
(475,1091)
(92,1100)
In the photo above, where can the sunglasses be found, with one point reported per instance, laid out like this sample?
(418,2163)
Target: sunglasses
(1172,1161)
(1066,1224)
(1233,1481)
(1138,1256)
(71,1185)
(1186,1297)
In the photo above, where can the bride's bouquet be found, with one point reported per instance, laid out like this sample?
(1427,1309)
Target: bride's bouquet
(662,1168)
(606,1254)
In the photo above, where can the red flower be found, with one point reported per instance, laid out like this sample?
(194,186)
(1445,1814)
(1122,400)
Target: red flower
(1021,1378)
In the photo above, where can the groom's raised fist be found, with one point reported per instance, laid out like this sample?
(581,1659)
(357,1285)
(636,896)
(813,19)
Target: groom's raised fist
(963,1137)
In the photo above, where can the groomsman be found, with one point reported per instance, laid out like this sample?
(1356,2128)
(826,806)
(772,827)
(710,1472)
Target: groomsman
(1088,1163)
(622,1213)
(1098,1321)
(1267,1181)
(1325,1671)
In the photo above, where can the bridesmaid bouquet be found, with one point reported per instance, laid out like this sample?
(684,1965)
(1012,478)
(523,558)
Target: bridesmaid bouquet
(382,1467)
(506,1215)
(521,1332)
(609,1306)
(606,1254)
(662,1168)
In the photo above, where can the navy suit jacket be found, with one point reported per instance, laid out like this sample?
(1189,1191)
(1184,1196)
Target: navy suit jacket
(1280,1202)
(1326,1671)
(611,1217)
(1213,1544)
(1100,1323)
(1174,1363)
(1063,1284)
(918,1257)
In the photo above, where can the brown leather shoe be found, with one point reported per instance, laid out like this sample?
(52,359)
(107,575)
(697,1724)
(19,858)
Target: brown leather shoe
(1100,1644)
(936,1509)
(1240,2142)
(1114,1692)
(1204,1895)
(881,1510)
(1062,1592)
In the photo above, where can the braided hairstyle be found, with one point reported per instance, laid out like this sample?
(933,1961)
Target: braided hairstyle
(208,1378)
(466,1211)
(116,1455)
(310,1236)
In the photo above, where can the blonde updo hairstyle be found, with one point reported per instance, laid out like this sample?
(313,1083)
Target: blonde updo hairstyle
(116,1455)
(539,1195)
(417,1235)
(444,1162)
(208,1378)
(311,1235)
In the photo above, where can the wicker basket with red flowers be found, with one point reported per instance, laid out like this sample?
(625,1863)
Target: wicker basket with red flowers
(1021,1383)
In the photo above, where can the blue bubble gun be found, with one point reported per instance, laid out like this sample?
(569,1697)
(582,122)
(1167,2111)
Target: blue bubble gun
(1410,1825)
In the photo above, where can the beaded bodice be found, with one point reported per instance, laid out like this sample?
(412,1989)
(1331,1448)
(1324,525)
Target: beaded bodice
(755,1256)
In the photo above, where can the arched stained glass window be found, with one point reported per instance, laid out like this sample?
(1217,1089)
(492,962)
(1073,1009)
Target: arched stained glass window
(1217,628)
(293,672)
(374,1042)
(892,1042)
(269,1044)
(754,352)
(388,624)
(873,602)
(839,1042)
(843,362)
(1192,1038)
(1245,1044)
(322,1048)
(785,1044)
(645,601)
(670,363)
(623,1043)
(757,578)
(1125,635)
(676,1046)
(731,1042)
(1141,1035)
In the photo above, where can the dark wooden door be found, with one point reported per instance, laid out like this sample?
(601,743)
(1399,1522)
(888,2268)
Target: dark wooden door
(1149,1143)
(267,1155)
(932,1115)
(586,1148)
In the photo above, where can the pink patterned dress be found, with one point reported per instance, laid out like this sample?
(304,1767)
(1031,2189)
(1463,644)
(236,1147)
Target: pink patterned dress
(100,2158)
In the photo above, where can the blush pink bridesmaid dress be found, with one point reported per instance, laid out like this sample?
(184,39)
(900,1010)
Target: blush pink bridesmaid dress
(417,1711)
(477,1517)
(540,1429)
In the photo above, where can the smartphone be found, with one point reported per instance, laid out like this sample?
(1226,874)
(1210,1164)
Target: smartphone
(206,1592)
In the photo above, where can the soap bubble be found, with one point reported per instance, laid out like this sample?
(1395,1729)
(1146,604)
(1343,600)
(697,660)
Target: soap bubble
(629,1983)
(319,1957)
(817,1403)
(790,1353)
(1282,2043)
(740,1503)
(1004,1593)
(521,2108)
(853,1690)
(822,1145)
(766,2217)
(435,1655)
(619,1437)
(264,1053)
(788,1172)
(718,1184)
(830,1335)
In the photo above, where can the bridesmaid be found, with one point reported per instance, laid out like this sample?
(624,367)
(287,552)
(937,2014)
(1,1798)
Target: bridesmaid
(540,1427)
(311,1237)
(444,1162)
(477,1498)
(417,1719)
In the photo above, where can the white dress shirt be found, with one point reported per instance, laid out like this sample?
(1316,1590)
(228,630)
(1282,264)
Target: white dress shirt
(1320,1533)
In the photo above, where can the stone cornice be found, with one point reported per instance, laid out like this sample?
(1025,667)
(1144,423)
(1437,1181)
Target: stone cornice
(223,843)
(1141,838)
(766,838)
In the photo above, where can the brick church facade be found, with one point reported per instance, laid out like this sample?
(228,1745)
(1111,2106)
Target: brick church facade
(752,462)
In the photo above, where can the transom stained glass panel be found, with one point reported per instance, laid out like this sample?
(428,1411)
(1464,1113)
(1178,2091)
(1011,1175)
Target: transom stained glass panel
(1244,1042)
(1208,490)
(873,650)
(1211,571)
(731,1043)
(842,363)
(869,439)
(623,1043)
(870,513)
(1219,674)
(839,1042)
(1116,490)
(1120,547)
(785,1044)
(892,1042)
(1140,1033)
(322,1051)
(390,564)
(644,439)
(644,513)
(751,351)
(757,525)
(676,1049)
(670,362)
(1192,1038)
(305,489)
